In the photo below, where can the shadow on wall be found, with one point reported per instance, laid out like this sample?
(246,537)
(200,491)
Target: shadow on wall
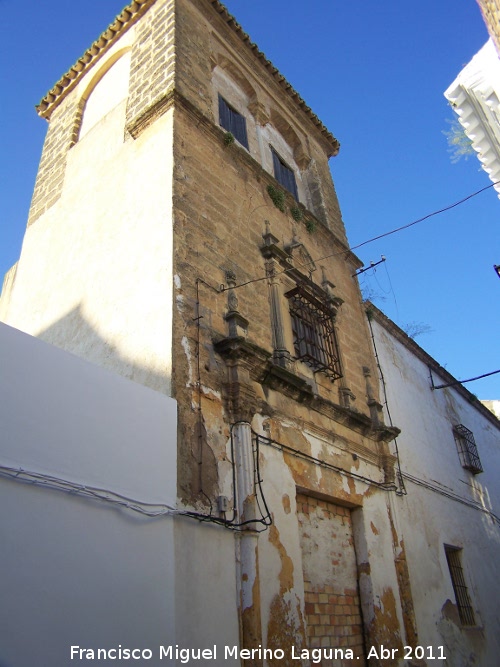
(74,333)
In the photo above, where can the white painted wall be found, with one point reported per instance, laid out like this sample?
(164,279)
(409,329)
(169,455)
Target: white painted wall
(89,573)
(428,519)
(77,571)
(111,226)
(475,97)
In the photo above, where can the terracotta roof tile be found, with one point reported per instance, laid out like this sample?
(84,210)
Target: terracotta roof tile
(68,81)
(128,17)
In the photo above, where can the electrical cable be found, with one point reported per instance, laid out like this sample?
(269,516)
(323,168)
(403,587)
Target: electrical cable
(325,464)
(150,510)
(452,384)
(264,520)
(425,217)
(392,290)
(259,480)
(74,488)
(453,496)
(371,240)
(402,489)
(147,509)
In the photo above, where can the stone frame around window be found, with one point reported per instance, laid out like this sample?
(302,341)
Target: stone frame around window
(314,338)
(302,313)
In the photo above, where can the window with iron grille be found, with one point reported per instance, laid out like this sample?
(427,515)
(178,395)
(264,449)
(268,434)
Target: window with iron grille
(465,610)
(314,338)
(284,175)
(233,122)
(467,450)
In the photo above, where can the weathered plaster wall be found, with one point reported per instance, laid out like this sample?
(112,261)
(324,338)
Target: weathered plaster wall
(429,518)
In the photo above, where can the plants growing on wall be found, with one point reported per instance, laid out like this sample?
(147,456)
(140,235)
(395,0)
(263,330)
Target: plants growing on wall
(228,139)
(296,212)
(277,197)
(310,226)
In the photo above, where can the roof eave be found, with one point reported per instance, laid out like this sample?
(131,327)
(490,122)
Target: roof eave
(125,20)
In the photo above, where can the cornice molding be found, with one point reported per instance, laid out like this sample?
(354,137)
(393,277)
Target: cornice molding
(265,372)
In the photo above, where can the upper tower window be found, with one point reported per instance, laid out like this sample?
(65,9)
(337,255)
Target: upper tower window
(233,122)
(284,174)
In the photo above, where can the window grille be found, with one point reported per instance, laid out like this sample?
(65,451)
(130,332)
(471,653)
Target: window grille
(467,450)
(314,338)
(233,122)
(465,611)
(284,175)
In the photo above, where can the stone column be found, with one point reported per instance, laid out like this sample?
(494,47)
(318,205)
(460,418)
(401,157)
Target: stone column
(247,558)
(281,355)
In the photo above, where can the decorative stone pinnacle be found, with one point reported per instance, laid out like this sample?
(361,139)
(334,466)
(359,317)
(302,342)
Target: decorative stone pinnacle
(230,278)
(269,238)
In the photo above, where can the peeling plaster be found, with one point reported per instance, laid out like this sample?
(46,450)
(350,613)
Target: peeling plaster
(187,352)
(286,573)
(208,391)
(384,627)
(286,624)
(285,629)
(286,503)
(403,578)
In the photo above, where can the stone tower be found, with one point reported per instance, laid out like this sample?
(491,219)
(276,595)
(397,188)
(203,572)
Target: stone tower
(185,233)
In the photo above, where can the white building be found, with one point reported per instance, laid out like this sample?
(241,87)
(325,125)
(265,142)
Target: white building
(475,97)
(92,554)
(449,454)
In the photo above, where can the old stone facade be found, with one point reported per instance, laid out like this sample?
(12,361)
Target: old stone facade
(212,265)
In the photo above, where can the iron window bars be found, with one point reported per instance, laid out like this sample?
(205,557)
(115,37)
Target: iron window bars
(284,175)
(314,337)
(233,122)
(467,450)
(464,605)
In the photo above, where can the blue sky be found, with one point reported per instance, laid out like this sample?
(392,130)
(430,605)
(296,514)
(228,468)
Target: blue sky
(375,74)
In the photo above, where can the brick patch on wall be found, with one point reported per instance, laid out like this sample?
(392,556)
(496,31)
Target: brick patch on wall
(332,606)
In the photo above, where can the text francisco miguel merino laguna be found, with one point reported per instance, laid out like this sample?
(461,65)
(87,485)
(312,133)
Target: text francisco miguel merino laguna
(185,655)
